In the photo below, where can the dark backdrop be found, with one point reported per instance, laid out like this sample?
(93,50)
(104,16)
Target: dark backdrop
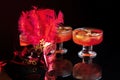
(77,13)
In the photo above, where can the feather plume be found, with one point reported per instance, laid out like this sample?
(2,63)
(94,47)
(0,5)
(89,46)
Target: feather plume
(38,24)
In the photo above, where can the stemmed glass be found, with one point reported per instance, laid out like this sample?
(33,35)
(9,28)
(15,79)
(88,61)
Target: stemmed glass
(59,66)
(64,33)
(63,67)
(87,37)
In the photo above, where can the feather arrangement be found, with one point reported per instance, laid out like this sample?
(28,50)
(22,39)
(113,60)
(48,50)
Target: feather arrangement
(39,27)
(39,24)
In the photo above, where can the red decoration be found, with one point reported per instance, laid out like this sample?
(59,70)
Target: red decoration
(38,24)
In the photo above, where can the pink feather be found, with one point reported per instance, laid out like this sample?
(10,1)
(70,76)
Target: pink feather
(60,18)
(38,24)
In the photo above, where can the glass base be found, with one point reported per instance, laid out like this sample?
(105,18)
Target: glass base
(90,54)
(87,51)
(62,51)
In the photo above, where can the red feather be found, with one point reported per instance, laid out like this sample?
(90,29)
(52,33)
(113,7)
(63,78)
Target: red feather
(60,19)
(38,24)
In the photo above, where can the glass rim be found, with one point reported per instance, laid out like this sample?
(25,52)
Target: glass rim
(91,28)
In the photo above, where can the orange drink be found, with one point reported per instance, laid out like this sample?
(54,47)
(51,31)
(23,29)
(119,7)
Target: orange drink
(63,34)
(87,36)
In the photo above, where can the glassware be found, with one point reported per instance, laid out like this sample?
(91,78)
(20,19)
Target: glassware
(58,65)
(64,33)
(23,40)
(87,37)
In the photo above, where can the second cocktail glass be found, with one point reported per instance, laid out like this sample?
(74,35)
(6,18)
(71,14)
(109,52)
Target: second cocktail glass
(87,37)
(60,66)
(64,33)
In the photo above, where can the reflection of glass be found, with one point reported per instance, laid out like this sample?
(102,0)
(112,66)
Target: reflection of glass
(87,37)
(64,33)
(62,67)
(58,66)
(85,71)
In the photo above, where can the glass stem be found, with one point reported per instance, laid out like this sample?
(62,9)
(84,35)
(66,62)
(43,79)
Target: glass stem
(60,46)
(86,58)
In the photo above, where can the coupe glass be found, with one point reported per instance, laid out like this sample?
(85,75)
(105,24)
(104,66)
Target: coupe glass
(59,66)
(64,33)
(87,37)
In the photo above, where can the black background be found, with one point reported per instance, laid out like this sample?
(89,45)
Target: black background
(77,13)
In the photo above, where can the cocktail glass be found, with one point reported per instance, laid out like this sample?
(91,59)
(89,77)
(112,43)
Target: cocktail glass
(60,66)
(64,33)
(87,37)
